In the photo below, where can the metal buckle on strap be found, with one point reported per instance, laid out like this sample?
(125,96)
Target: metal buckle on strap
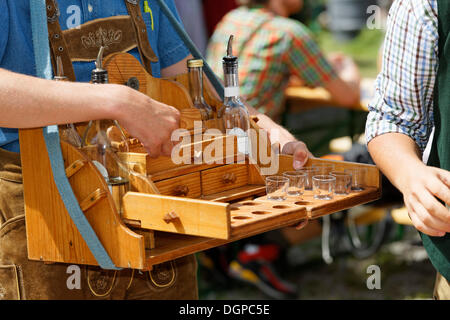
(56,13)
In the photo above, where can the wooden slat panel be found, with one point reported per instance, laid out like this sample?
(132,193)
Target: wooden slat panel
(181,171)
(92,199)
(196,217)
(74,168)
(204,150)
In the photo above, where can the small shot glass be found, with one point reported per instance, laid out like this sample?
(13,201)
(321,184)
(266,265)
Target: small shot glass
(323,187)
(343,182)
(297,182)
(277,188)
(358,178)
(323,169)
(310,173)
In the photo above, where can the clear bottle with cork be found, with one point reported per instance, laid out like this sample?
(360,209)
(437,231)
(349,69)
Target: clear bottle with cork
(233,116)
(195,67)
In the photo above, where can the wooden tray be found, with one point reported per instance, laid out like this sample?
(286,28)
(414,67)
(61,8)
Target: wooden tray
(242,219)
(181,210)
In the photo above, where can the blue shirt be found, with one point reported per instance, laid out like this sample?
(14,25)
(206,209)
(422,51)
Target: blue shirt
(16,48)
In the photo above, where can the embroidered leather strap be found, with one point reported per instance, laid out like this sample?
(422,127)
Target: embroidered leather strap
(145,50)
(60,40)
(58,44)
(116,34)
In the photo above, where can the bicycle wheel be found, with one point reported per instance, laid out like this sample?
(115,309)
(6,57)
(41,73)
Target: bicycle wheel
(366,239)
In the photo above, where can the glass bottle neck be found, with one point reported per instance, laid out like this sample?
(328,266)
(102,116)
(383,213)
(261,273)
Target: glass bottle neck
(231,86)
(196,84)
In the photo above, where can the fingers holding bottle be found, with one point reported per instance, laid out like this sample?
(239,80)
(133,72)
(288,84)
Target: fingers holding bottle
(148,120)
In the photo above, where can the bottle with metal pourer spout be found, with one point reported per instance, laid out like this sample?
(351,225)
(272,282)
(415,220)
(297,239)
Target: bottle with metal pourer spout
(233,115)
(97,144)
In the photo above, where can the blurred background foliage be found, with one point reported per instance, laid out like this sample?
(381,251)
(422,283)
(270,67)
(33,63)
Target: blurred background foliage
(364,48)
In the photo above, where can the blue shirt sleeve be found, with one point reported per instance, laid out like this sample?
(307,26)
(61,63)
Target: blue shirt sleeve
(171,48)
(4,27)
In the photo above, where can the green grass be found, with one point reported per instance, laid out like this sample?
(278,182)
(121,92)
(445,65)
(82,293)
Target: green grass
(364,49)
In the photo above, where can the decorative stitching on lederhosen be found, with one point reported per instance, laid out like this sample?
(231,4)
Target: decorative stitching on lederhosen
(101,36)
(11,278)
(162,276)
(11,188)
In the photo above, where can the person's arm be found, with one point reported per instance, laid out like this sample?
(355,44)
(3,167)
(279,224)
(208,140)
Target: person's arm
(28,102)
(420,185)
(399,123)
(345,88)
(288,143)
(338,75)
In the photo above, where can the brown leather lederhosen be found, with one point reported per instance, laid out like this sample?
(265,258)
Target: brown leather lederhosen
(21,278)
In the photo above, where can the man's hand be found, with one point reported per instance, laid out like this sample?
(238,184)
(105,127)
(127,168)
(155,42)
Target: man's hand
(398,156)
(344,89)
(345,67)
(421,189)
(148,120)
(300,152)
(301,155)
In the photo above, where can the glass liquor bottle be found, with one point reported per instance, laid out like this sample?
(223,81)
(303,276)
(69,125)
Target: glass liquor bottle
(101,142)
(233,115)
(98,140)
(195,67)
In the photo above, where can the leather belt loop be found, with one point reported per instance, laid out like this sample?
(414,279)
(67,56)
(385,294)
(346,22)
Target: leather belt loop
(145,50)
(58,44)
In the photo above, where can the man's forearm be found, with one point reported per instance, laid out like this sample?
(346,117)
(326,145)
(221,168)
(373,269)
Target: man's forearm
(396,155)
(27,102)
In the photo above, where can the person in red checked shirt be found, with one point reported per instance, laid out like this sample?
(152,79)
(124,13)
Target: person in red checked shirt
(272,48)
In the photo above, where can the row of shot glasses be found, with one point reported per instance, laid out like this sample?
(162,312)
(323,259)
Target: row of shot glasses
(322,179)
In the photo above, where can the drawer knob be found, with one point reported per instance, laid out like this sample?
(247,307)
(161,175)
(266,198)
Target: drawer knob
(181,191)
(229,178)
(170,217)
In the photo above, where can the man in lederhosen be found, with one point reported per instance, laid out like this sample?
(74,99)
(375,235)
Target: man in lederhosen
(412,97)
(76,31)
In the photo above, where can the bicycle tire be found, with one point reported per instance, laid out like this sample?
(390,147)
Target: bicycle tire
(363,249)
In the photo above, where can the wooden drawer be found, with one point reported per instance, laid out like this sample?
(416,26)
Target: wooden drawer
(184,186)
(224,178)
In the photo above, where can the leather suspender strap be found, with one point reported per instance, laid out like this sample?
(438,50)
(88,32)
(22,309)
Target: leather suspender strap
(58,44)
(51,136)
(59,47)
(145,50)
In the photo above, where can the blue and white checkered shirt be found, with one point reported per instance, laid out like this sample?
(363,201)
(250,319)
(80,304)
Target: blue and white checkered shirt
(403,101)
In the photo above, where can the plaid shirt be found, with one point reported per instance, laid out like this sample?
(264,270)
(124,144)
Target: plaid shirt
(271,49)
(403,101)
